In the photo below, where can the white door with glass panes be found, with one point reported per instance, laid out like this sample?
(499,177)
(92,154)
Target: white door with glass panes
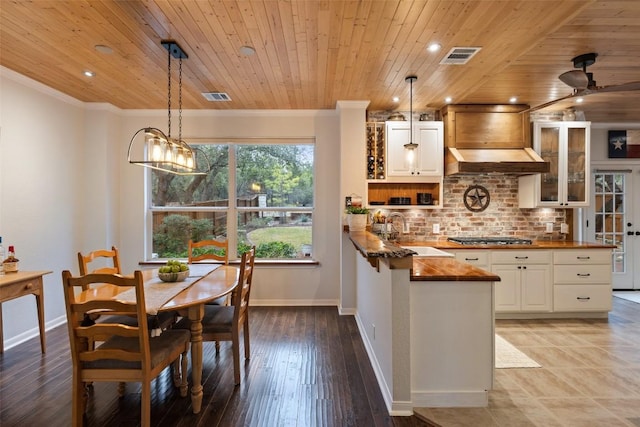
(613,217)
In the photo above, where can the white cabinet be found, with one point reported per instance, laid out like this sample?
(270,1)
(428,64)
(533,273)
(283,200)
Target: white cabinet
(425,160)
(525,280)
(477,258)
(565,145)
(582,280)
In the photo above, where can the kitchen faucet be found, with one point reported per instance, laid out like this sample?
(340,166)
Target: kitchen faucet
(386,233)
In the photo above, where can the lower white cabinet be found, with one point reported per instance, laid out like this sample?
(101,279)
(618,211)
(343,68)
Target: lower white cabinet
(582,280)
(525,280)
(546,281)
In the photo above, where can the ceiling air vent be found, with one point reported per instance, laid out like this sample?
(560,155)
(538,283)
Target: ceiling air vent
(216,96)
(459,55)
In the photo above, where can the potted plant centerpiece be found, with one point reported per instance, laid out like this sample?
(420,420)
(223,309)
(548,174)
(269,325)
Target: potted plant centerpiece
(357,218)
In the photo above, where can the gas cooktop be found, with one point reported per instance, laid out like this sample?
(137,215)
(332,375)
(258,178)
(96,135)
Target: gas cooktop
(490,240)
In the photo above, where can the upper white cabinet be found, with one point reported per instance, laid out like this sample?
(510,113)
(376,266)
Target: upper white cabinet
(426,160)
(565,145)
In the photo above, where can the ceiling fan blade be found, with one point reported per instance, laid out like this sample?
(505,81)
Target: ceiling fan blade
(550,103)
(575,78)
(619,88)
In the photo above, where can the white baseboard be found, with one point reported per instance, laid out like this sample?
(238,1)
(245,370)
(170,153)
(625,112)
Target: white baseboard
(33,332)
(294,302)
(439,399)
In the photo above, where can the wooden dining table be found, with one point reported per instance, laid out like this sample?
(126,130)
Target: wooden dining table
(206,282)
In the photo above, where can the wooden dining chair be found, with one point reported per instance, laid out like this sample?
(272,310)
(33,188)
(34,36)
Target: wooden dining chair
(223,323)
(209,250)
(128,354)
(108,262)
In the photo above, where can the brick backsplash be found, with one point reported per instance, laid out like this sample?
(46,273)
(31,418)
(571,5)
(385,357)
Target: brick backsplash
(502,217)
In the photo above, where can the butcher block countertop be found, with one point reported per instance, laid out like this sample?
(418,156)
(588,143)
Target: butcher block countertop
(536,244)
(423,268)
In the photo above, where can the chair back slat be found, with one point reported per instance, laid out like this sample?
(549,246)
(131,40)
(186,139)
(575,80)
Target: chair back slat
(196,251)
(104,256)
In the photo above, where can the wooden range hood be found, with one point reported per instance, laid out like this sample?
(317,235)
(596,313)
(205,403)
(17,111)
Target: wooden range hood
(481,139)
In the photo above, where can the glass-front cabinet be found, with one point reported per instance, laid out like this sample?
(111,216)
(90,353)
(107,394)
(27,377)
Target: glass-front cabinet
(565,145)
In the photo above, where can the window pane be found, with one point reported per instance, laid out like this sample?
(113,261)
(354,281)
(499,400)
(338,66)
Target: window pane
(206,190)
(276,175)
(172,231)
(276,234)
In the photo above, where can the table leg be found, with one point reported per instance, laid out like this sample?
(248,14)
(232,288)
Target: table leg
(40,304)
(195,315)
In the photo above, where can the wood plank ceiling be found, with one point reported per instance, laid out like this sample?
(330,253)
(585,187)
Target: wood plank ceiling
(310,54)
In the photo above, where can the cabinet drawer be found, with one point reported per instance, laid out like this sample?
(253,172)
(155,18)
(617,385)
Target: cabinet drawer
(476,258)
(591,256)
(582,273)
(14,290)
(520,257)
(582,298)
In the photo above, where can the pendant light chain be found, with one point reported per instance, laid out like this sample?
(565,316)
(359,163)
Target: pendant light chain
(410,110)
(169,90)
(180,100)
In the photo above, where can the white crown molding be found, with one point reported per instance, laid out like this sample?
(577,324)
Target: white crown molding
(40,87)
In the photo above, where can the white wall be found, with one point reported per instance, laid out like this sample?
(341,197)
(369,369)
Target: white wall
(41,210)
(66,186)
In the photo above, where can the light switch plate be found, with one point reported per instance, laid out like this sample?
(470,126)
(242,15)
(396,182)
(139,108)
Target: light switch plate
(549,227)
(436,229)
(564,228)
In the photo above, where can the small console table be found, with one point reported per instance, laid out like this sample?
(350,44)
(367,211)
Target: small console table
(21,283)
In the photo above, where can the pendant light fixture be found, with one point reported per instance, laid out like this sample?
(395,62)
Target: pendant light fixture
(411,146)
(164,153)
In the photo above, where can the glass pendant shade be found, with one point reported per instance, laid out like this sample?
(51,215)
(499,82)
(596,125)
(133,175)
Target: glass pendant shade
(164,153)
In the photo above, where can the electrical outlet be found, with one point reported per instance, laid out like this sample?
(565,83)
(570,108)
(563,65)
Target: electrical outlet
(436,228)
(374,331)
(405,227)
(564,228)
(549,227)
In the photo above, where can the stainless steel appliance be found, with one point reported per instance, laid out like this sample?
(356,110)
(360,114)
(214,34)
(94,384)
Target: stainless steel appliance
(490,240)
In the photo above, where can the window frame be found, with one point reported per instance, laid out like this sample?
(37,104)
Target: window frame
(232,209)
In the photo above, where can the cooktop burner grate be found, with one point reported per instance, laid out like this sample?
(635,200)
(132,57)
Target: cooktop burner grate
(490,240)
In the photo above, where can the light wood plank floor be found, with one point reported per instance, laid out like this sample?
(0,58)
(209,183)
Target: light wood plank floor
(590,375)
(308,367)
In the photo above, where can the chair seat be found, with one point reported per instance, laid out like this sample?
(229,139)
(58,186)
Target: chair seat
(219,301)
(163,320)
(160,348)
(217,318)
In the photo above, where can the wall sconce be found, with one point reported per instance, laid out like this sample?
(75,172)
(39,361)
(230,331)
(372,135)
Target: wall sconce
(410,148)
(163,152)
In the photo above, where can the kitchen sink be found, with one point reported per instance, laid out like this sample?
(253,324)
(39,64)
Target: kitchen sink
(428,251)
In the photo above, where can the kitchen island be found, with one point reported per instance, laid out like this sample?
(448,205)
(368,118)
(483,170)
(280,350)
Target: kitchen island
(427,324)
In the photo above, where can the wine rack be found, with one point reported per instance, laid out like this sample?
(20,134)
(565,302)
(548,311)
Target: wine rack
(375,150)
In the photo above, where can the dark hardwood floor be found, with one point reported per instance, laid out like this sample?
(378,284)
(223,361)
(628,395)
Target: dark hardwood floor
(308,367)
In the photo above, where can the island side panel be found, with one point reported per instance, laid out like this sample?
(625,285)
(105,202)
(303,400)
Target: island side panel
(452,343)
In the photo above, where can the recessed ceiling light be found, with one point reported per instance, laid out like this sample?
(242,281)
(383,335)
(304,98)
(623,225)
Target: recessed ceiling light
(434,47)
(579,100)
(88,73)
(103,48)
(396,99)
(513,99)
(247,50)
(448,100)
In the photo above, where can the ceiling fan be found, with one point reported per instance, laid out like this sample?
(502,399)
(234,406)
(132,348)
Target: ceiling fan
(582,82)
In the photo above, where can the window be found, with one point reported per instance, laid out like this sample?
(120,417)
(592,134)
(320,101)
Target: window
(255,194)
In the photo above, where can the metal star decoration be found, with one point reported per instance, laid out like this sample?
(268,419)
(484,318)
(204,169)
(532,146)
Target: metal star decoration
(476,198)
